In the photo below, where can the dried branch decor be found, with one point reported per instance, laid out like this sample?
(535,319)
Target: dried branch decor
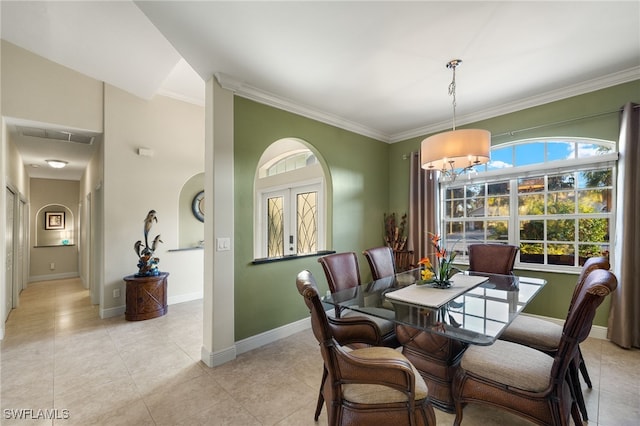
(395,232)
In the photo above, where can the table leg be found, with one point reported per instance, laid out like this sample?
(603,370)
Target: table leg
(436,358)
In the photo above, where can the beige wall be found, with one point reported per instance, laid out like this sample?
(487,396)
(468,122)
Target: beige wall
(90,232)
(135,184)
(39,90)
(3,201)
(36,89)
(17,175)
(50,195)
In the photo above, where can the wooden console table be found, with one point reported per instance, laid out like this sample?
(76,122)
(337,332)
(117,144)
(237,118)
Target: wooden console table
(146,297)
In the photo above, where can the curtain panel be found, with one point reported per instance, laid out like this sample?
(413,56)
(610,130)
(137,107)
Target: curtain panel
(624,316)
(423,203)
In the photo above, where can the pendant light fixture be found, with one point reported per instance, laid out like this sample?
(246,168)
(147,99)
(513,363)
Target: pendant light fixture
(455,152)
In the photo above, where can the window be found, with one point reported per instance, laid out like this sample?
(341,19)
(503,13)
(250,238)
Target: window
(552,198)
(291,161)
(290,213)
(292,221)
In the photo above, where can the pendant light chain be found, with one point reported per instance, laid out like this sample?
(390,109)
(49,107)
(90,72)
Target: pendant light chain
(452,87)
(452,93)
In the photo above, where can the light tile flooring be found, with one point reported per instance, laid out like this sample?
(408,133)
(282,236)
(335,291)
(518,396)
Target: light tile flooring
(59,355)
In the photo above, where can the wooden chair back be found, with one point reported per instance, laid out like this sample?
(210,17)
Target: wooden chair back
(342,270)
(492,258)
(589,266)
(380,369)
(381,261)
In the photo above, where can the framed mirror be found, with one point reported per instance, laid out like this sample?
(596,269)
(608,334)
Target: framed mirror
(197,206)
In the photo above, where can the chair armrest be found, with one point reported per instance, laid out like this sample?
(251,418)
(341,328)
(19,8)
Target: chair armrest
(351,330)
(377,366)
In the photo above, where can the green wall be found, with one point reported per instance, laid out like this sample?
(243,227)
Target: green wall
(601,121)
(358,198)
(368,178)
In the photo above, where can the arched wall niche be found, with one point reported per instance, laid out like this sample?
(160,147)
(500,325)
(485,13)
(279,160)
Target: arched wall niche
(316,171)
(191,213)
(55,226)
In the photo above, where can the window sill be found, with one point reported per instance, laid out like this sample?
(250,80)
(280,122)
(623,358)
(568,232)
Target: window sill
(290,257)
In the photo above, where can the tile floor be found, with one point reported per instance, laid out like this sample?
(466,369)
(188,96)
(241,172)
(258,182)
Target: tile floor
(59,355)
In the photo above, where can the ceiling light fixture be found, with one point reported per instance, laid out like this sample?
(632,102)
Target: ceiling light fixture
(56,164)
(458,151)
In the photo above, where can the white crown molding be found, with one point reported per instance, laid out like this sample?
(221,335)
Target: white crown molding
(255,94)
(258,95)
(610,80)
(180,97)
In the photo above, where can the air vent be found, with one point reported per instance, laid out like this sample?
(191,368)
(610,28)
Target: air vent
(59,135)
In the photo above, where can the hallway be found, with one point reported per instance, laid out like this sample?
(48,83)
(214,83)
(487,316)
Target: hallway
(60,359)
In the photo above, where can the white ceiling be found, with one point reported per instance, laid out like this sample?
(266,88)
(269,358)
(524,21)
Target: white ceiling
(377,68)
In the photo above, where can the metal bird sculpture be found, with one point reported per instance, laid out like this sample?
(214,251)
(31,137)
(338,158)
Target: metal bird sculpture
(155,242)
(148,264)
(148,221)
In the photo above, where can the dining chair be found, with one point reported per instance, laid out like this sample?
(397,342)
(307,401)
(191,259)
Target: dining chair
(343,273)
(492,258)
(430,353)
(350,332)
(545,335)
(381,261)
(525,381)
(368,386)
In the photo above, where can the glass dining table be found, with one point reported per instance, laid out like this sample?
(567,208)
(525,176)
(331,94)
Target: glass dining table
(435,326)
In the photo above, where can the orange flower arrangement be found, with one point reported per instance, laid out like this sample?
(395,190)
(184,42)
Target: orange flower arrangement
(440,274)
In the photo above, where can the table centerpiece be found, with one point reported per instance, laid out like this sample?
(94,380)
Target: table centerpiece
(438,275)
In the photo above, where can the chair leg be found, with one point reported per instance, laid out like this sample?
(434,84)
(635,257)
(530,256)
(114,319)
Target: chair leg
(575,415)
(576,390)
(583,370)
(458,410)
(320,395)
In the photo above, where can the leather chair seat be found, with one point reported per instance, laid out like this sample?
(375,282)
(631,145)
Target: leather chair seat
(386,326)
(514,365)
(535,332)
(529,382)
(364,386)
(545,335)
(380,394)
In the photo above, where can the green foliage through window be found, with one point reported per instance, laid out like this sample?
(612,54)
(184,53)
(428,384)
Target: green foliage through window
(557,217)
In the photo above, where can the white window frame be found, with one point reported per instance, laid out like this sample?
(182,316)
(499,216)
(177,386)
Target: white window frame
(289,192)
(512,174)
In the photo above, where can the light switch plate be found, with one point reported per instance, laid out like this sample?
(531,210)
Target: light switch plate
(223,244)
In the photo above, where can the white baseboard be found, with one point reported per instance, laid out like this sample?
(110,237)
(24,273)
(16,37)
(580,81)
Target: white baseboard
(112,312)
(213,359)
(184,298)
(253,342)
(597,331)
(48,277)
